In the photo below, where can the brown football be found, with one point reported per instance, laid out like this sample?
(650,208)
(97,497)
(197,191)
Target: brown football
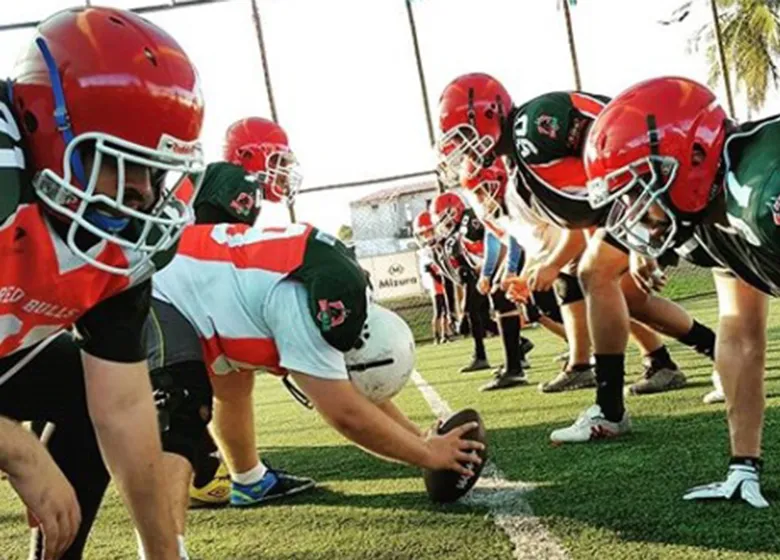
(446,486)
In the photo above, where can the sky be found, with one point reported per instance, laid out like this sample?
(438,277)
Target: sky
(345,81)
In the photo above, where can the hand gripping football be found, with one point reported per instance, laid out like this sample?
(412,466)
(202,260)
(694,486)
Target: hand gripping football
(447,486)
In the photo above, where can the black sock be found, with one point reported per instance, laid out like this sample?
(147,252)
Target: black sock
(660,358)
(610,375)
(754,462)
(701,339)
(510,334)
(479,348)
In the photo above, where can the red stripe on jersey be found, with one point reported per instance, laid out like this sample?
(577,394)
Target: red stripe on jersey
(275,249)
(226,355)
(586,105)
(476,248)
(562,173)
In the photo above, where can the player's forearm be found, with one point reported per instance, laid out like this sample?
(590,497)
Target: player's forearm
(18,448)
(389,408)
(131,447)
(125,421)
(570,245)
(365,424)
(740,361)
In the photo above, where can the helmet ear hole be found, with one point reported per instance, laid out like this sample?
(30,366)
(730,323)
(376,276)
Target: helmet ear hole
(698,154)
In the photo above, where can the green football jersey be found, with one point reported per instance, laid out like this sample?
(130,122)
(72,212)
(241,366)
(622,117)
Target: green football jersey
(750,244)
(548,134)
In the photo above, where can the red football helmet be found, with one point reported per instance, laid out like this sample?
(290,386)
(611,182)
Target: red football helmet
(654,153)
(260,146)
(486,184)
(422,227)
(472,112)
(108,83)
(447,211)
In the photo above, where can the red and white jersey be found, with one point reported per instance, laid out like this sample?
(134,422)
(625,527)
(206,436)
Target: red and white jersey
(221,279)
(44,286)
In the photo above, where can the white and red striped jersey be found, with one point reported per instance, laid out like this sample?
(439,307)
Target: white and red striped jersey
(221,280)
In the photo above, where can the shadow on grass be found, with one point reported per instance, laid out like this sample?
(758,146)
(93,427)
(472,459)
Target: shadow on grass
(631,487)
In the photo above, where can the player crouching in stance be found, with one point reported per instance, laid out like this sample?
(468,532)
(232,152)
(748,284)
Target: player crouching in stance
(664,154)
(289,301)
(94,142)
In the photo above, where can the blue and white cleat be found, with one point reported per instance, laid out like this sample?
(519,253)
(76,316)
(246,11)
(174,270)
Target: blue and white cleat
(275,484)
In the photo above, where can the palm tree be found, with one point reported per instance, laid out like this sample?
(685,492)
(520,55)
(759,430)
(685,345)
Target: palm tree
(744,38)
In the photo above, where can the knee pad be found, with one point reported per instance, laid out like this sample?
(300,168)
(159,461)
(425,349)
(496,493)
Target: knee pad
(183,397)
(568,290)
(548,305)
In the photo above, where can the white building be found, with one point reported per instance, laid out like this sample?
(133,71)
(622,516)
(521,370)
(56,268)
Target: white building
(382,221)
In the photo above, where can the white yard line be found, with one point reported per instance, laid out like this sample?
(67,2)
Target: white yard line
(505,499)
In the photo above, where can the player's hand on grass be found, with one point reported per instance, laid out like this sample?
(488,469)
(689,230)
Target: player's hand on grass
(646,273)
(741,483)
(51,502)
(448,451)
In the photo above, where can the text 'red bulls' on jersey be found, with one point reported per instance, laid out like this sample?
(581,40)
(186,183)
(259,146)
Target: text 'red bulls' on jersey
(548,134)
(223,276)
(44,286)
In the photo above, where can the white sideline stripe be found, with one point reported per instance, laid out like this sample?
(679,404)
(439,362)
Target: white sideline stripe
(504,498)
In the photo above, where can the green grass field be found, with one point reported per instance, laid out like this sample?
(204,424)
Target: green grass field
(612,500)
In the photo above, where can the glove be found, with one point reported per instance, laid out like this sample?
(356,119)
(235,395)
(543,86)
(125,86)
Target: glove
(741,483)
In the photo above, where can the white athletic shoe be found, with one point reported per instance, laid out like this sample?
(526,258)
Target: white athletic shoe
(716,395)
(591,425)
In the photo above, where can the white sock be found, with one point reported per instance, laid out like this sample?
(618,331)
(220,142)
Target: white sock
(182,549)
(251,476)
(141,553)
(179,538)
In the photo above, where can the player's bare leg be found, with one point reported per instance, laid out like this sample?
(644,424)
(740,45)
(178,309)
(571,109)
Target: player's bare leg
(608,320)
(741,359)
(575,324)
(233,424)
(178,473)
(553,326)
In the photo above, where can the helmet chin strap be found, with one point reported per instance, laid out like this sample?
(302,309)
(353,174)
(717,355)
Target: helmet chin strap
(62,120)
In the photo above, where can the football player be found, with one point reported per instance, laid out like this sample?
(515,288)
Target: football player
(422,229)
(543,139)
(98,127)
(488,187)
(291,301)
(673,167)
(461,236)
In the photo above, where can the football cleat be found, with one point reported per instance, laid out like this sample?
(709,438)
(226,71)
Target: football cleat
(590,426)
(215,493)
(275,484)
